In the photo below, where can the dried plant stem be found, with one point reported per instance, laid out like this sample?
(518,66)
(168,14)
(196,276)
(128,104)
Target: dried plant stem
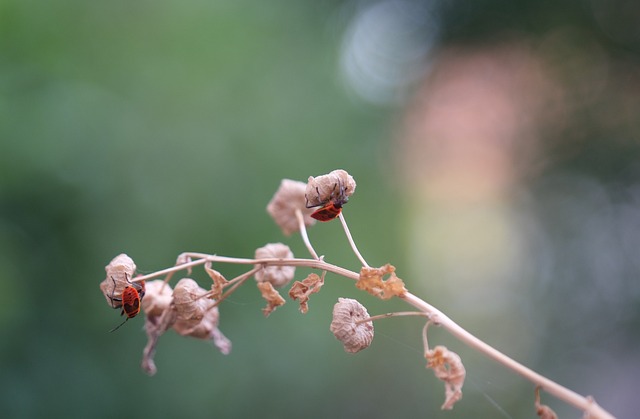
(169,271)
(351,242)
(237,281)
(586,404)
(305,236)
(394,314)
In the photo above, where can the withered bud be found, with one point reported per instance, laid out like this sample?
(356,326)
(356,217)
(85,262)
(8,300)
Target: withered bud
(288,198)
(372,281)
(157,297)
(301,290)
(355,337)
(278,275)
(448,367)
(119,271)
(218,279)
(321,189)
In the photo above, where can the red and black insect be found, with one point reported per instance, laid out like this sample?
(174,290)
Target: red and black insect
(130,300)
(331,208)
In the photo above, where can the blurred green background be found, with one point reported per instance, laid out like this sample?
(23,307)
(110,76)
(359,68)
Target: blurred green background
(154,128)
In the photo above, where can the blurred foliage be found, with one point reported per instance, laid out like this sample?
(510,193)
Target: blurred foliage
(157,127)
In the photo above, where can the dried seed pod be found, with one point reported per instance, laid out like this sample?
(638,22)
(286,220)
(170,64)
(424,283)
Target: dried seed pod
(187,301)
(355,337)
(288,198)
(119,272)
(278,275)
(321,189)
(157,298)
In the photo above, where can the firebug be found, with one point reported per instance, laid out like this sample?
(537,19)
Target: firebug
(129,301)
(333,207)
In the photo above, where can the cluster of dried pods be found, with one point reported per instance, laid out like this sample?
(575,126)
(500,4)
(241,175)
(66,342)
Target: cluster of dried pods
(190,310)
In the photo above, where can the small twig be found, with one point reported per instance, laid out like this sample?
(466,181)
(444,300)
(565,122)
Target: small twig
(237,281)
(170,270)
(394,314)
(303,233)
(351,242)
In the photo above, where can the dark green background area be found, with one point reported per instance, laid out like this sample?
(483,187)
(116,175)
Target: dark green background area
(158,127)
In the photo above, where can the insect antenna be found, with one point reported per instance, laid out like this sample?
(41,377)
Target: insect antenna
(118,326)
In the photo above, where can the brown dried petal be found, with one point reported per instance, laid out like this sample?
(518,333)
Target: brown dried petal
(157,297)
(371,280)
(279,276)
(319,189)
(219,281)
(288,198)
(302,290)
(355,337)
(274,299)
(447,367)
(119,270)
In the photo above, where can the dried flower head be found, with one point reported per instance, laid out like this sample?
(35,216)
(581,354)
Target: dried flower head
(301,290)
(274,299)
(279,276)
(355,337)
(198,317)
(321,189)
(188,314)
(447,366)
(187,302)
(288,198)
(119,272)
(157,298)
(371,280)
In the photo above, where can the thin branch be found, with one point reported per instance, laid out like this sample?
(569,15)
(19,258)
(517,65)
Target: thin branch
(239,280)
(394,314)
(170,270)
(303,233)
(351,242)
